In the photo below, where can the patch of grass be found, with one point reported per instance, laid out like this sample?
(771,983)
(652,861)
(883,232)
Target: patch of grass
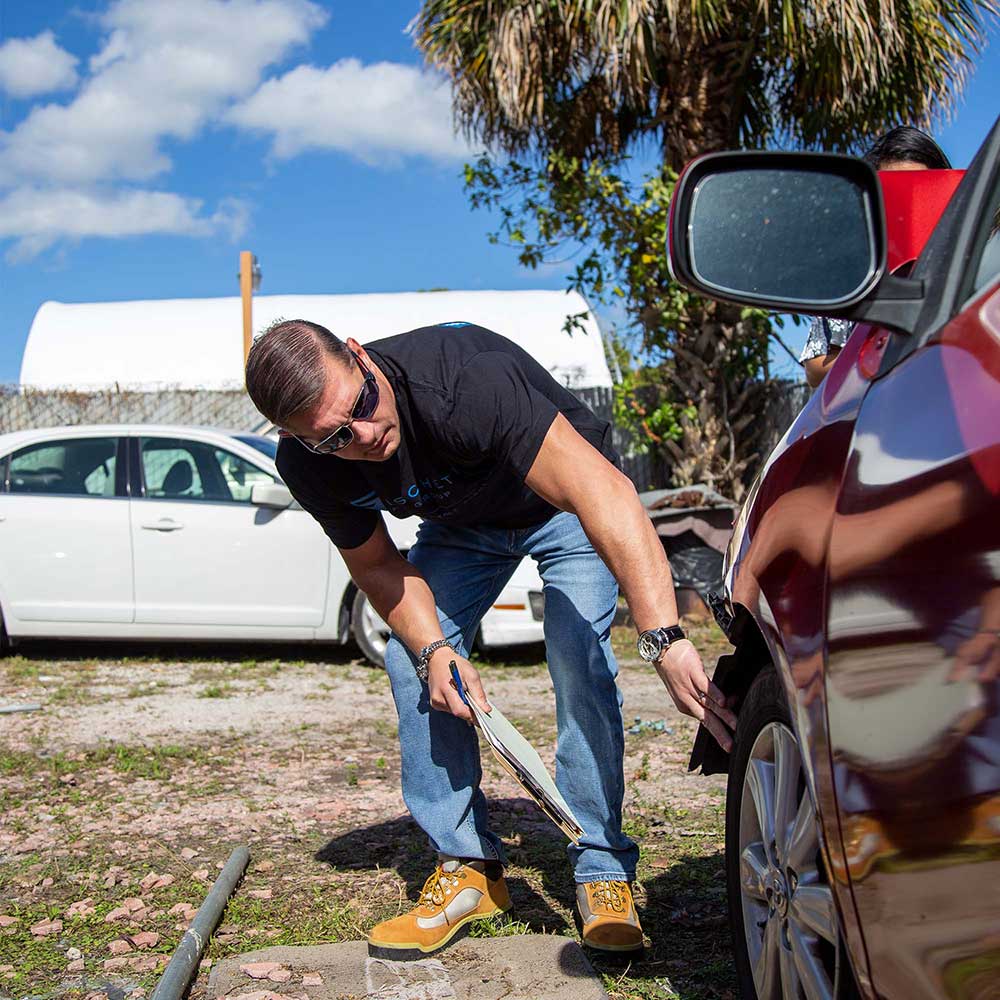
(501,925)
(352,774)
(302,915)
(40,963)
(216,691)
(19,668)
(642,771)
(145,762)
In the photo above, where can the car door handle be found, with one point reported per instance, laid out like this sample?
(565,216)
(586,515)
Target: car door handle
(164,524)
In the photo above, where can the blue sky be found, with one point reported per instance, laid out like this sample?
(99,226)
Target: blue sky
(144,143)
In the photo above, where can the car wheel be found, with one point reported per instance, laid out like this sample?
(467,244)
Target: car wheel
(369,630)
(786,932)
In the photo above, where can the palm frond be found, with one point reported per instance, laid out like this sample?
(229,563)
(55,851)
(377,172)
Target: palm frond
(592,76)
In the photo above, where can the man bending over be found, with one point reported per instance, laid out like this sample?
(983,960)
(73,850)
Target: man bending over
(459,426)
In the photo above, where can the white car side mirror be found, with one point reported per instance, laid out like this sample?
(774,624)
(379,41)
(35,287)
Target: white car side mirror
(274,495)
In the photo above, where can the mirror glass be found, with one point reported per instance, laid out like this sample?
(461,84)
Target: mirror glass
(787,235)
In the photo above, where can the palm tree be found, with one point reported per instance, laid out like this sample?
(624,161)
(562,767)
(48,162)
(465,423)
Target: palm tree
(593,76)
(595,79)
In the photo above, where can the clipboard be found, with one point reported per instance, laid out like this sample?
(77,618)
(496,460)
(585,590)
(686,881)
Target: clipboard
(520,759)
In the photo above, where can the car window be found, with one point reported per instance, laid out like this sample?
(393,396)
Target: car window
(178,469)
(74,467)
(241,476)
(174,469)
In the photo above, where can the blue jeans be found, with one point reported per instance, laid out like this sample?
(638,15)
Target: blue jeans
(466,569)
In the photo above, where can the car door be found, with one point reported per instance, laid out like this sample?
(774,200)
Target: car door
(205,555)
(913,626)
(65,550)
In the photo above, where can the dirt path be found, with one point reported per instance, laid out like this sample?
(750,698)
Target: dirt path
(127,791)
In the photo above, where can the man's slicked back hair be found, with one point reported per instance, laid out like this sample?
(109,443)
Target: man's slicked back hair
(286,369)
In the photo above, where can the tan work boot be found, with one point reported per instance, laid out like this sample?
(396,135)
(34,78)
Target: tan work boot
(455,895)
(610,922)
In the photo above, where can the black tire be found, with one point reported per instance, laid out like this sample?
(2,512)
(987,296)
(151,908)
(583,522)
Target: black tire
(770,886)
(370,639)
(5,642)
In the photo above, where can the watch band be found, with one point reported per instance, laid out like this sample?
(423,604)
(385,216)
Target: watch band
(672,634)
(653,642)
(424,658)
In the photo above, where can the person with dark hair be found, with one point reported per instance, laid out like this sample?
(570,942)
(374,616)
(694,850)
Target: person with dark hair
(901,148)
(906,148)
(459,426)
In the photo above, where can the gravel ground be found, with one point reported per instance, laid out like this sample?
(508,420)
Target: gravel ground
(146,765)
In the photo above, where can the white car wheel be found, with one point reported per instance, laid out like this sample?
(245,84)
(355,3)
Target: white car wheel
(370,631)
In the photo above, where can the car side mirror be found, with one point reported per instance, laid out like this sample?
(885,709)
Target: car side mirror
(274,495)
(793,232)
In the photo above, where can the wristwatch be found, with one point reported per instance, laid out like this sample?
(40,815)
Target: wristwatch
(654,642)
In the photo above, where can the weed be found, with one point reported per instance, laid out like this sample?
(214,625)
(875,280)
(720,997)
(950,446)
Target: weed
(19,668)
(500,925)
(642,772)
(216,691)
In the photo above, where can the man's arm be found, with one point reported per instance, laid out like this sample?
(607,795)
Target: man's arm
(816,368)
(572,475)
(399,593)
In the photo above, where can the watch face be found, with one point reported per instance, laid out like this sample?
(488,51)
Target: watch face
(649,645)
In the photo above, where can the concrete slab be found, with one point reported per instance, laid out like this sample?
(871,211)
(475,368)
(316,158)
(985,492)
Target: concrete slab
(525,967)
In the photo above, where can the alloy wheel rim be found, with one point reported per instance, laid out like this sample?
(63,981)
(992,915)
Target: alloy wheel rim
(789,919)
(375,629)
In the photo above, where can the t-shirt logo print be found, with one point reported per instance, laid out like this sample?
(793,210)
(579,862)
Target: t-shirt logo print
(369,500)
(429,492)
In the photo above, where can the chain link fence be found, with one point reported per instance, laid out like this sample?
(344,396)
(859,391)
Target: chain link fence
(31,408)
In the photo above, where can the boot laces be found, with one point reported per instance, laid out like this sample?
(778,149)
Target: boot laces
(439,885)
(612,895)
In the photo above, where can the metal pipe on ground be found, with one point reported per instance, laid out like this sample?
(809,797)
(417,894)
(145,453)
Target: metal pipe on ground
(11,709)
(183,966)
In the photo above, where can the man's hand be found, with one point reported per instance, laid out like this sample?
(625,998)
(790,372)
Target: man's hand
(977,659)
(444,694)
(681,670)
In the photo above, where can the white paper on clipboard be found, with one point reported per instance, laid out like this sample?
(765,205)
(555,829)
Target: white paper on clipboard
(521,760)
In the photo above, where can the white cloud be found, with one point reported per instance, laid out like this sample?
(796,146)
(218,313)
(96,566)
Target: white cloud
(32,66)
(163,72)
(38,218)
(377,112)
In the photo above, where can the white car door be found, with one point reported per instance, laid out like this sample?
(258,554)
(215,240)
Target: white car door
(65,551)
(204,555)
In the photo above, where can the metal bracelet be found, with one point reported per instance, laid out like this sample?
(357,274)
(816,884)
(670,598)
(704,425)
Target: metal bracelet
(424,659)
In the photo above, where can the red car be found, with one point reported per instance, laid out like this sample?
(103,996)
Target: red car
(862,589)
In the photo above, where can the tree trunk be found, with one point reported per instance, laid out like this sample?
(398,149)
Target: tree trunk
(709,371)
(720,360)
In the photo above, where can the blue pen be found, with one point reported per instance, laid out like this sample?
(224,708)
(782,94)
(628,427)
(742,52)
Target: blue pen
(457,678)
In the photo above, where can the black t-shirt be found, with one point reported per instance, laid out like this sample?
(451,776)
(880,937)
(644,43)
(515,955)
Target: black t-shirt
(473,411)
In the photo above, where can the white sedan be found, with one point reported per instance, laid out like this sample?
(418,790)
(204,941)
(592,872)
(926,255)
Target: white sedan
(167,532)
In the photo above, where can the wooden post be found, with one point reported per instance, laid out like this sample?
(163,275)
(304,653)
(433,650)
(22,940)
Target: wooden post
(246,294)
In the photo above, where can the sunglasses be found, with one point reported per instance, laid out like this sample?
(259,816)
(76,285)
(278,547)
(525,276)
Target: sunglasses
(364,406)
